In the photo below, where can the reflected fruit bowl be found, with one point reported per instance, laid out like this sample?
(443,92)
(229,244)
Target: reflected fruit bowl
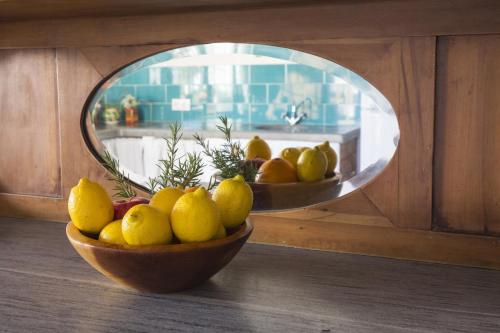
(159,268)
(281,196)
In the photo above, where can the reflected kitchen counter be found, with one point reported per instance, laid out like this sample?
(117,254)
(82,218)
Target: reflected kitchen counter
(346,136)
(301,132)
(48,287)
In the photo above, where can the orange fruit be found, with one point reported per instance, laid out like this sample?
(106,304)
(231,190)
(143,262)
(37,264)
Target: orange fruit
(277,170)
(190,189)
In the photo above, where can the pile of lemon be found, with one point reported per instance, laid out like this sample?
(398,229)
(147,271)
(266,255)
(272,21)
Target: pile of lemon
(171,216)
(294,164)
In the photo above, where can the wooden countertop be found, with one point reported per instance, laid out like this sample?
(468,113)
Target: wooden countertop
(47,287)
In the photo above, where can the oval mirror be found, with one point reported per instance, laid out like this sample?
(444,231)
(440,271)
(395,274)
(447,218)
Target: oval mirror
(218,98)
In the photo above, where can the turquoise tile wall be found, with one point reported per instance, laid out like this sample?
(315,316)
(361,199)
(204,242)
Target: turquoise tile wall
(257,94)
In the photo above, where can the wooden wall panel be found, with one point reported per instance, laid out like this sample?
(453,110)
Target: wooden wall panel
(29,124)
(388,63)
(346,234)
(467,147)
(416,121)
(403,70)
(378,61)
(333,19)
(77,160)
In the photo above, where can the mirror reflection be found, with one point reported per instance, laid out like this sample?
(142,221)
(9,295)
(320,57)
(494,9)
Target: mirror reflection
(271,98)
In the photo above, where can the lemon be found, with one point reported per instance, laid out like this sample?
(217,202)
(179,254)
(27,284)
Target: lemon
(112,233)
(291,155)
(221,232)
(89,206)
(311,165)
(195,217)
(234,199)
(146,225)
(302,149)
(257,148)
(166,198)
(331,156)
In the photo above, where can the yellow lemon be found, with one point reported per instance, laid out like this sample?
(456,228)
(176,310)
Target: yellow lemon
(89,206)
(112,233)
(195,217)
(312,165)
(146,225)
(291,155)
(234,200)
(166,198)
(221,232)
(331,156)
(302,149)
(257,148)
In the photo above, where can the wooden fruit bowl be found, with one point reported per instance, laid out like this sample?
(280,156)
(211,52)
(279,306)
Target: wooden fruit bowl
(160,268)
(279,196)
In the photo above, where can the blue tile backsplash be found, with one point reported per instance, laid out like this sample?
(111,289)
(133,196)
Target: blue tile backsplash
(257,94)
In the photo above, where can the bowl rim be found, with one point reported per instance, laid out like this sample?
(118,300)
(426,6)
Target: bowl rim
(335,178)
(76,236)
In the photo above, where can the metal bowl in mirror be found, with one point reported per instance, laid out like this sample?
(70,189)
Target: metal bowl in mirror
(288,98)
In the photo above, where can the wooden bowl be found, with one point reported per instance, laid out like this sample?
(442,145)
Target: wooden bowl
(280,196)
(160,268)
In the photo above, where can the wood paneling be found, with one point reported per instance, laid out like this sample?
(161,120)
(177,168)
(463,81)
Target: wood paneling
(467,153)
(77,160)
(384,62)
(378,61)
(393,18)
(396,53)
(29,124)
(403,70)
(416,122)
(109,59)
(34,207)
(347,235)
(357,202)
(30,9)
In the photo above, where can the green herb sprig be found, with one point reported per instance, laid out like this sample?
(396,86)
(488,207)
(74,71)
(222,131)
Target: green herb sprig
(229,159)
(175,170)
(123,188)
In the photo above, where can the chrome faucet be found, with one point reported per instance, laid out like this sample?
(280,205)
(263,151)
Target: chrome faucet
(294,117)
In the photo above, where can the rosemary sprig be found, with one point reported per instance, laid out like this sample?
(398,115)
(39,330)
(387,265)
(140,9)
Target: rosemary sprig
(175,170)
(122,188)
(229,159)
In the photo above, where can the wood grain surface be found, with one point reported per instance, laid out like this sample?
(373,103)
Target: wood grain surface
(29,124)
(47,287)
(11,10)
(467,153)
(377,61)
(326,19)
(416,123)
(375,235)
(161,268)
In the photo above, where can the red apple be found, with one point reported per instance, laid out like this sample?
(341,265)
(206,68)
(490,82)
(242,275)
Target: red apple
(121,207)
